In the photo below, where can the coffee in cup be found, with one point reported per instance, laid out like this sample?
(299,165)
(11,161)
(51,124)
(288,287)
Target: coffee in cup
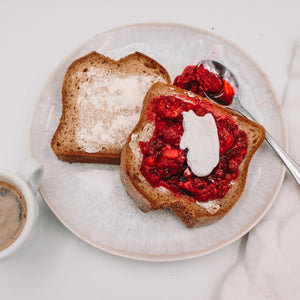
(13,212)
(19,207)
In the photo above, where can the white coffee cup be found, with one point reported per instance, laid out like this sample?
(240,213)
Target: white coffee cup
(27,181)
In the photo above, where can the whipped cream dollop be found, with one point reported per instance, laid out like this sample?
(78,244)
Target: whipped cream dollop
(200,137)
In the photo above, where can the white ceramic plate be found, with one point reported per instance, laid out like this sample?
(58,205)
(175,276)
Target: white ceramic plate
(90,200)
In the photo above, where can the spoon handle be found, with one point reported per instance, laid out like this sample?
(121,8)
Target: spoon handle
(291,165)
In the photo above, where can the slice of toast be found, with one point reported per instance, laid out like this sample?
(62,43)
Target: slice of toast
(147,197)
(101,103)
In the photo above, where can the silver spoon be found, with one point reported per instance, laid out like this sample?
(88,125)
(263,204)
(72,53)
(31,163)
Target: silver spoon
(236,106)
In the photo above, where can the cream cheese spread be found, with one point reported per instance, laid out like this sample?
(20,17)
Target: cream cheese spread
(200,137)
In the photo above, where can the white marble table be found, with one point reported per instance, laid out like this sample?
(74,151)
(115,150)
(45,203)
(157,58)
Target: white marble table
(36,36)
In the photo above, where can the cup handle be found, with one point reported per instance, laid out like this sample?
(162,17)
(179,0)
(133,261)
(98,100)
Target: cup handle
(31,171)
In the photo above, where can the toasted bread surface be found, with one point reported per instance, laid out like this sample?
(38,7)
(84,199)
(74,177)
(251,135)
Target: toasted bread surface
(101,102)
(148,198)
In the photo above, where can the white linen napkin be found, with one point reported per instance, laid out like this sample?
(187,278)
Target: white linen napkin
(270,268)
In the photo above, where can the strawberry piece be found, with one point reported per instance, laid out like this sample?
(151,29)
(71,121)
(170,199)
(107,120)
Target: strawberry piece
(171,153)
(208,82)
(227,94)
(150,161)
(226,139)
(169,109)
(187,185)
(172,133)
(200,183)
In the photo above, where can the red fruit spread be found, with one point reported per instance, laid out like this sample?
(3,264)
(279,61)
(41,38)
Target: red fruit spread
(165,163)
(201,81)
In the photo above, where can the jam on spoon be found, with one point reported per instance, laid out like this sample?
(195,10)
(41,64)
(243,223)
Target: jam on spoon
(201,81)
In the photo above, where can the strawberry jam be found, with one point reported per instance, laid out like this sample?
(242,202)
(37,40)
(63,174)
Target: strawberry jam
(203,82)
(165,163)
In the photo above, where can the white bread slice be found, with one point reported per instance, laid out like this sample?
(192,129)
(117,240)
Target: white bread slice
(148,198)
(101,103)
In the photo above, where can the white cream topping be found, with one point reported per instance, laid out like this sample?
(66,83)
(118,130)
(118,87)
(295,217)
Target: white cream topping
(211,206)
(200,137)
(118,100)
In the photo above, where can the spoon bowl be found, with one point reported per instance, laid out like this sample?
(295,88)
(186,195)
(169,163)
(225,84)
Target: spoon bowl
(225,74)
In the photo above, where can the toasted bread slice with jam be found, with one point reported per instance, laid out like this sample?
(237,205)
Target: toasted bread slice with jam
(192,213)
(101,103)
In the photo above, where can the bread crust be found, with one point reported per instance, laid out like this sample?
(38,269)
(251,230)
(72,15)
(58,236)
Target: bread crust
(63,141)
(148,198)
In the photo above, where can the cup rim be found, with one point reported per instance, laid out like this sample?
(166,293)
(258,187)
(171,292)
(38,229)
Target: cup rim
(24,188)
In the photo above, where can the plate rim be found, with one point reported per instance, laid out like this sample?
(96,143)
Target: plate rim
(184,255)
